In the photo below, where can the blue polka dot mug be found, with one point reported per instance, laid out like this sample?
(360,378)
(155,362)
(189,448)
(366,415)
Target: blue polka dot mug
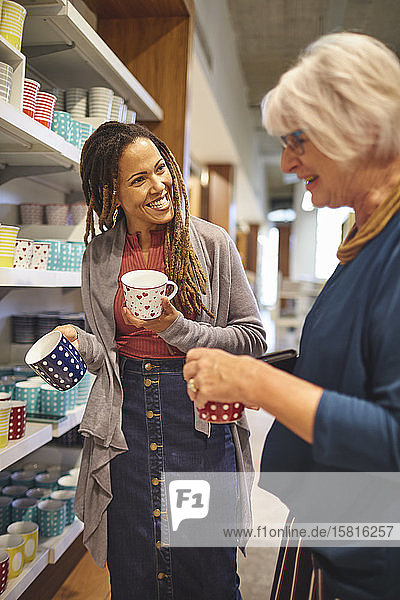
(56,361)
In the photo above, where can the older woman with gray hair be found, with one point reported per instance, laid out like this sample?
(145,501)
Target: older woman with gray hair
(337,113)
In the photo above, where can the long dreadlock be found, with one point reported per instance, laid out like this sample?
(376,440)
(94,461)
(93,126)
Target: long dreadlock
(99,172)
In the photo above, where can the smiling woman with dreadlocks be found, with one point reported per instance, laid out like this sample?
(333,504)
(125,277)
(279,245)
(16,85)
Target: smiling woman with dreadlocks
(139,420)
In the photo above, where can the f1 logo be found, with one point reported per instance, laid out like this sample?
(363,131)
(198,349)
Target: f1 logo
(189,499)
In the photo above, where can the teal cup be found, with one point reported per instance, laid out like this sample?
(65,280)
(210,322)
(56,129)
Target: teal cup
(14,491)
(51,517)
(75,133)
(68,497)
(72,396)
(67,482)
(47,480)
(86,131)
(25,478)
(83,388)
(39,493)
(63,257)
(52,401)
(24,509)
(62,124)
(5,513)
(28,391)
(75,255)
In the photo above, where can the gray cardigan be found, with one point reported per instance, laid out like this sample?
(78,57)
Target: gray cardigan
(236,328)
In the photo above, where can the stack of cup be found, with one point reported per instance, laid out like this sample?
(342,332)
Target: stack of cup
(117,104)
(29,531)
(76,102)
(78,212)
(130,116)
(56,214)
(23,254)
(124,113)
(62,123)
(52,401)
(28,392)
(68,497)
(83,389)
(24,509)
(75,255)
(75,133)
(60,95)
(63,259)
(47,481)
(14,545)
(31,214)
(29,99)
(51,517)
(4,568)
(86,131)
(100,102)
(5,81)
(8,238)
(12,23)
(25,478)
(40,255)
(44,108)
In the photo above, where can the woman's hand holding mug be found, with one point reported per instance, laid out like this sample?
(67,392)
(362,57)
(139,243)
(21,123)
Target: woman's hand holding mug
(70,333)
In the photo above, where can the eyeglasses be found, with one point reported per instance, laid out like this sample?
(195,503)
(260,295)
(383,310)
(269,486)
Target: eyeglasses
(293,142)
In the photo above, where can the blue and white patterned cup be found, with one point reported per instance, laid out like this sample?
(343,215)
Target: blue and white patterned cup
(62,123)
(25,478)
(83,389)
(75,133)
(5,513)
(24,509)
(53,402)
(72,396)
(67,496)
(39,493)
(28,391)
(47,481)
(14,491)
(51,517)
(68,482)
(63,257)
(57,361)
(75,256)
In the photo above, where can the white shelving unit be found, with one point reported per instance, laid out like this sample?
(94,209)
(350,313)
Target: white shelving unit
(37,278)
(89,63)
(48,552)
(36,435)
(16,60)
(74,417)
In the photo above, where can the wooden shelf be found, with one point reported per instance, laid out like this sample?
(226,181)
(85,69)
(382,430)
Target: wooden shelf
(35,278)
(90,63)
(74,417)
(37,434)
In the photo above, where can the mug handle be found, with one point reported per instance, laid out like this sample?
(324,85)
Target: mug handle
(174,292)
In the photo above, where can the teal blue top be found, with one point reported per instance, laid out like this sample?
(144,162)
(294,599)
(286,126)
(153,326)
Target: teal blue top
(350,346)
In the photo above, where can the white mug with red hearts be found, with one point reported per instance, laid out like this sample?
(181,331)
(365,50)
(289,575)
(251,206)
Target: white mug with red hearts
(143,290)
(40,255)
(22,254)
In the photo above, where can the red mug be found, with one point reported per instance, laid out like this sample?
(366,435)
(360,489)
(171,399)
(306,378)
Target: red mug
(221,412)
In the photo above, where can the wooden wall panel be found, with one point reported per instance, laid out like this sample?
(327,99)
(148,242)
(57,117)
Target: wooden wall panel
(157,51)
(116,9)
(220,195)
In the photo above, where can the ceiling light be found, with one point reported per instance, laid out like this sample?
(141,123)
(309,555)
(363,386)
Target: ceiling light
(307,204)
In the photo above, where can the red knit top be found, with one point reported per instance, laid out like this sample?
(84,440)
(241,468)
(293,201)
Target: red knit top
(137,342)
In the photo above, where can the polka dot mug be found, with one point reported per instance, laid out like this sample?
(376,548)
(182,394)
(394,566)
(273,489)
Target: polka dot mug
(56,361)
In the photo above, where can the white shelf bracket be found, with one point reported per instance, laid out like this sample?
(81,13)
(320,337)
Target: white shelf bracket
(10,172)
(45,49)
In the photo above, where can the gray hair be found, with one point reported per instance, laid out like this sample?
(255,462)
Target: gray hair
(344,92)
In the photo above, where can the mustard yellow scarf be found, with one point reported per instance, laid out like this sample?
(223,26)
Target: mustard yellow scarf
(357,238)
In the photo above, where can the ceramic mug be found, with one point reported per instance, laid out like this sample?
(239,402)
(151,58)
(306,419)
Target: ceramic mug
(143,290)
(68,497)
(14,545)
(221,412)
(4,566)
(56,360)
(29,531)
(51,517)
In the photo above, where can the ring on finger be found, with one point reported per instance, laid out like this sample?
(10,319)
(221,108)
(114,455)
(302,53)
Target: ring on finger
(191,385)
